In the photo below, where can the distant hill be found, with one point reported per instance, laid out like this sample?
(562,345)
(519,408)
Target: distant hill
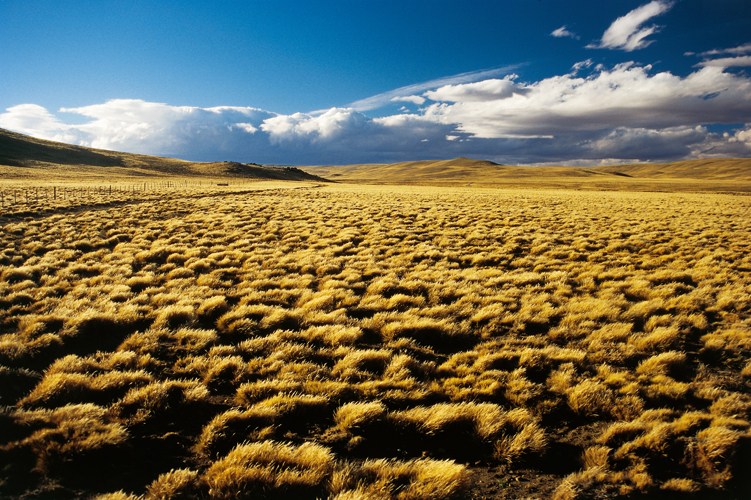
(465,170)
(711,169)
(22,156)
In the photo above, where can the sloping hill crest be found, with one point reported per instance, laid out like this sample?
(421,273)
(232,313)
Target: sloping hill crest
(23,156)
(487,172)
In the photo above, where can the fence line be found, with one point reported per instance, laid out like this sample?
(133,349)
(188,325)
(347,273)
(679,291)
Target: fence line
(15,196)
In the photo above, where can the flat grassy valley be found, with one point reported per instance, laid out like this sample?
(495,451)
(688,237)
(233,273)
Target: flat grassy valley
(441,330)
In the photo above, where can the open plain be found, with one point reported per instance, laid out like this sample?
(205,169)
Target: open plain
(279,339)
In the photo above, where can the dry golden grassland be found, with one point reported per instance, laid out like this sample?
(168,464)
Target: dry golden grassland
(358,343)
(20,198)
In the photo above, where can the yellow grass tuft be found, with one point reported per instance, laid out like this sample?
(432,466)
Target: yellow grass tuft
(269,466)
(411,480)
(68,433)
(592,398)
(681,485)
(358,415)
(175,484)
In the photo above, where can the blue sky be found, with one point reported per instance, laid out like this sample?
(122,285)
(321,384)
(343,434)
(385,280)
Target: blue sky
(338,82)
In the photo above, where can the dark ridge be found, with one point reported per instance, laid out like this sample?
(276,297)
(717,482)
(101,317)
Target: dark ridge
(17,150)
(42,158)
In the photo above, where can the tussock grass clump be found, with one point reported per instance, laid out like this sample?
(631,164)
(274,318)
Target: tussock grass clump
(359,417)
(58,388)
(694,440)
(175,316)
(176,484)
(250,393)
(298,410)
(268,469)
(414,479)
(169,345)
(117,495)
(361,364)
(159,398)
(225,373)
(590,397)
(68,437)
(233,427)
(212,308)
(511,434)
(334,335)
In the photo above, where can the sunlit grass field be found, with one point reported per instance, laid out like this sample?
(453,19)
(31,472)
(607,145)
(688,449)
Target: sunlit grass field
(372,342)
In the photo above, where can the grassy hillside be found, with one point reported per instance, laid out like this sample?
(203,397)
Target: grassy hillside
(713,174)
(715,169)
(24,157)
(28,158)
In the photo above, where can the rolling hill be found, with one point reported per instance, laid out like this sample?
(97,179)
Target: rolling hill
(465,169)
(710,169)
(22,156)
(725,174)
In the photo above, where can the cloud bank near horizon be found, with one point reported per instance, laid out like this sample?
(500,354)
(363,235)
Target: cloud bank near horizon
(620,114)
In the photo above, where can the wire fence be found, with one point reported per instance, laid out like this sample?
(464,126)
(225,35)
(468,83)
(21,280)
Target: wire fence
(20,199)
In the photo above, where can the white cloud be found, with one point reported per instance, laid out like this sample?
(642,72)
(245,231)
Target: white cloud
(735,145)
(247,127)
(144,127)
(727,62)
(329,125)
(37,121)
(625,112)
(161,128)
(379,100)
(626,96)
(742,136)
(563,32)
(626,32)
(581,65)
(414,99)
(738,60)
(487,90)
(741,49)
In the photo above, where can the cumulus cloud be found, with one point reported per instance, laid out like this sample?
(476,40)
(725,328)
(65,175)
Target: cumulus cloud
(159,128)
(487,90)
(626,32)
(624,96)
(736,144)
(379,100)
(627,112)
(563,32)
(330,125)
(145,127)
(414,99)
(37,121)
